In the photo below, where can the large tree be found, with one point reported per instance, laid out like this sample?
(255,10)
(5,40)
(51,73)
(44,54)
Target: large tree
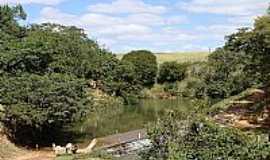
(242,62)
(37,107)
(44,75)
(171,72)
(145,64)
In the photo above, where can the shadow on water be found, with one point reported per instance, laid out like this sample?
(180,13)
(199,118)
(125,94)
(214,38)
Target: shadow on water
(119,119)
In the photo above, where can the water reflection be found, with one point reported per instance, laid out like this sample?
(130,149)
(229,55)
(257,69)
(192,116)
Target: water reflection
(121,118)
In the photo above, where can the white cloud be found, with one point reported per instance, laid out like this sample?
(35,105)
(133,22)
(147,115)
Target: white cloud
(127,6)
(42,2)
(226,7)
(245,21)
(53,15)
(176,20)
(99,20)
(132,31)
(217,30)
(132,24)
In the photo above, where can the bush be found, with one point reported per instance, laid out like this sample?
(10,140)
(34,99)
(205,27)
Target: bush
(171,88)
(171,72)
(194,87)
(145,64)
(186,139)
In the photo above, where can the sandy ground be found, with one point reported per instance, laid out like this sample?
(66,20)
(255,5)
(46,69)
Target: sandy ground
(36,155)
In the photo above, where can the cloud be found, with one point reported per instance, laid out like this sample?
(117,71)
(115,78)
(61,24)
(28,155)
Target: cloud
(123,25)
(143,30)
(245,21)
(53,15)
(127,6)
(42,2)
(217,30)
(226,7)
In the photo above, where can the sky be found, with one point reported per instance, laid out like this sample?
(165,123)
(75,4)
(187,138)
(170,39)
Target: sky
(156,25)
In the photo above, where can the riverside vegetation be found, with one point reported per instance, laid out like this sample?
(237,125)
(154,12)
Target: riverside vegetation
(47,73)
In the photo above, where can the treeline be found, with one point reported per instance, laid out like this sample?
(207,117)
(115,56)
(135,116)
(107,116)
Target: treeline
(45,74)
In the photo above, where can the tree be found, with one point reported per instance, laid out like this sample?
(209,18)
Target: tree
(226,75)
(9,25)
(145,64)
(122,82)
(37,107)
(171,72)
(242,62)
(43,75)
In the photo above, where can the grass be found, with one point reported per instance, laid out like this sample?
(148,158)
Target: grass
(180,57)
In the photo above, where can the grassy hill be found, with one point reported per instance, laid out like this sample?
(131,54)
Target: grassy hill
(179,57)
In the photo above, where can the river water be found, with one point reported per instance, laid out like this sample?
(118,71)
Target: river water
(123,118)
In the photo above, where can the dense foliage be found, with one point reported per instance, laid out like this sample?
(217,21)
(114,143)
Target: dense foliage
(45,71)
(145,64)
(241,63)
(122,82)
(171,72)
(37,104)
(9,25)
(197,139)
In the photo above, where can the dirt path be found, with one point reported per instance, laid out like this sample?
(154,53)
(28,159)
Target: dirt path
(36,155)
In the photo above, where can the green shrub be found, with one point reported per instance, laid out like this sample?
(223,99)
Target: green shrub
(200,139)
(193,88)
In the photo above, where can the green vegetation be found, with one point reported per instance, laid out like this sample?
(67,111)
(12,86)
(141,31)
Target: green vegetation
(145,64)
(171,72)
(186,138)
(242,63)
(49,75)
(45,73)
(42,77)
(40,104)
(225,103)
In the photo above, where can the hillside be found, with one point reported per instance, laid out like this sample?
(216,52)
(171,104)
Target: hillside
(178,56)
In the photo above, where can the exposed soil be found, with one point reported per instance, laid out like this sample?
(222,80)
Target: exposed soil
(252,112)
(8,151)
(36,155)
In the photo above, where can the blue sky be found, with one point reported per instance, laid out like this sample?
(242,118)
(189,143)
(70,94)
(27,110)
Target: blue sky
(157,25)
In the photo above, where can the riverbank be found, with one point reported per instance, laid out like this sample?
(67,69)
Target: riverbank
(229,106)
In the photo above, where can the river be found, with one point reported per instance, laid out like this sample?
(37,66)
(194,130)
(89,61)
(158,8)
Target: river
(123,118)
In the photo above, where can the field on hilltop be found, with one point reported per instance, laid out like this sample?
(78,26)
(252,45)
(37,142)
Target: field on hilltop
(178,56)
